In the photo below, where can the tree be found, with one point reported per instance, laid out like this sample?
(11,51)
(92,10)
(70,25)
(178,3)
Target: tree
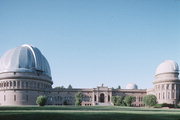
(149,100)
(114,99)
(41,100)
(59,87)
(119,87)
(118,100)
(70,86)
(129,100)
(78,98)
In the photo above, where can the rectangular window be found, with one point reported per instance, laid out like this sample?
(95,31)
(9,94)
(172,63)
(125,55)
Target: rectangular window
(22,84)
(172,86)
(172,94)
(4,97)
(26,97)
(14,82)
(14,97)
(168,95)
(38,85)
(163,96)
(26,84)
(162,87)
(167,87)
(18,83)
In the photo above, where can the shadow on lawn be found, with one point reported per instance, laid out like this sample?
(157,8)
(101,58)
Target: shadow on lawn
(83,108)
(85,116)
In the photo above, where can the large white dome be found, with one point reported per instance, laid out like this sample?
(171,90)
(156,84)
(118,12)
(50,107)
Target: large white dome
(131,86)
(25,58)
(168,66)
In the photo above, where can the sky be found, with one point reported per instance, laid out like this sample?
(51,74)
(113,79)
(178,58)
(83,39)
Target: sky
(90,42)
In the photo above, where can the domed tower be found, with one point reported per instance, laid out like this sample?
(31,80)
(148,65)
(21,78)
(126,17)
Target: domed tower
(167,83)
(24,75)
(131,86)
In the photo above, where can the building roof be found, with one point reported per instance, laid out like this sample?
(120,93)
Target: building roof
(24,58)
(168,66)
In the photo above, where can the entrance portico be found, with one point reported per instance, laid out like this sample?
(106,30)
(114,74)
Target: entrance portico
(102,95)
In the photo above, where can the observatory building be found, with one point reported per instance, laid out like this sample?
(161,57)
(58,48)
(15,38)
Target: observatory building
(25,74)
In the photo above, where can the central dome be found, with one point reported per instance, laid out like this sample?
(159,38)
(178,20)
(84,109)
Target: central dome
(168,66)
(25,58)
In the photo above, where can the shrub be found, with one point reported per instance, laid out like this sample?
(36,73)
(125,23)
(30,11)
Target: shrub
(65,102)
(168,105)
(158,106)
(164,105)
(41,100)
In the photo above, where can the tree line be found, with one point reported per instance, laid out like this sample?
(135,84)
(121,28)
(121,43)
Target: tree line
(148,100)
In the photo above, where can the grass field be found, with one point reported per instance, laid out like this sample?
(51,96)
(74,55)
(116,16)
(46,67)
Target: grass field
(87,113)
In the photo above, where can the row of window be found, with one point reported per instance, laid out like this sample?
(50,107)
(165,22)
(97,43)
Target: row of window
(168,96)
(87,104)
(139,99)
(24,84)
(59,98)
(15,98)
(166,87)
(95,98)
(137,105)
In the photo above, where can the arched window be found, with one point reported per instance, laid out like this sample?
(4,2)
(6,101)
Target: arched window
(94,97)
(102,97)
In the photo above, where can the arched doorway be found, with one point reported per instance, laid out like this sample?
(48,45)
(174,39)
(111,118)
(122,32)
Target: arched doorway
(101,97)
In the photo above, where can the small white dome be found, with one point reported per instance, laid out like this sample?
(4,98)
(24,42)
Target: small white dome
(131,86)
(168,66)
(25,58)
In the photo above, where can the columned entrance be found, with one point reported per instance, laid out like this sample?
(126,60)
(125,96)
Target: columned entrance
(101,98)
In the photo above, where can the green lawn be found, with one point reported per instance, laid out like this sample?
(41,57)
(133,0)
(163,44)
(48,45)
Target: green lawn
(87,113)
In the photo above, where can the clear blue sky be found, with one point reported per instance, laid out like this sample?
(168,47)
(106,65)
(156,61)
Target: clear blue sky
(90,42)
